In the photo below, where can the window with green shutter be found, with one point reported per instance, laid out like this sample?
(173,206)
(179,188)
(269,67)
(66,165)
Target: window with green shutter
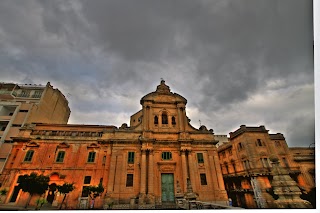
(91,157)
(130,157)
(166,155)
(200,158)
(60,156)
(29,156)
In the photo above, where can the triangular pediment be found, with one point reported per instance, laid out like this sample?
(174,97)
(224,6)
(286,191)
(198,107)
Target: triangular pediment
(32,144)
(63,145)
(93,145)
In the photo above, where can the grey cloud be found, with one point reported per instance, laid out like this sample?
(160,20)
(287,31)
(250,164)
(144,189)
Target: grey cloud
(217,54)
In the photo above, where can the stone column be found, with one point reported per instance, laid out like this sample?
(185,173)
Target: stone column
(184,170)
(143,177)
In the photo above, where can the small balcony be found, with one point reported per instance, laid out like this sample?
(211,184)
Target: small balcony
(5,118)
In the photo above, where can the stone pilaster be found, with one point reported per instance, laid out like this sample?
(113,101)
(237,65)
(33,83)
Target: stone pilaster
(143,177)
(192,172)
(150,179)
(213,172)
(184,170)
(218,171)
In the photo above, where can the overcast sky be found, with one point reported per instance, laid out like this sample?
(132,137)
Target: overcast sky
(236,62)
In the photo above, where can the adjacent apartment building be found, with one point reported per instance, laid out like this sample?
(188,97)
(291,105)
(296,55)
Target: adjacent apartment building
(23,104)
(247,169)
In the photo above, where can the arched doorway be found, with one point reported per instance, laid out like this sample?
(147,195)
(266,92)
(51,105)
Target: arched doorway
(51,193)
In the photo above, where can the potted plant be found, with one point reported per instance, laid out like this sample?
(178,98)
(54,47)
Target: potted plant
(3,192)
(40,201)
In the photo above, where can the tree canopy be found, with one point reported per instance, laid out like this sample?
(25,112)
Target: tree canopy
(94,191)
(65,189)
(34,183)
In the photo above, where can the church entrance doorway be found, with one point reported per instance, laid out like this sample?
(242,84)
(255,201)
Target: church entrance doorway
(167,187)
(52,189)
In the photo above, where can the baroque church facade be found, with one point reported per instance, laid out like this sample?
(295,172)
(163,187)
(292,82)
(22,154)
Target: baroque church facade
(150,161)
(147,164)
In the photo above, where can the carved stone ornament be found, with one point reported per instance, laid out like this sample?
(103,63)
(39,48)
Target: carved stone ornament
(167,166)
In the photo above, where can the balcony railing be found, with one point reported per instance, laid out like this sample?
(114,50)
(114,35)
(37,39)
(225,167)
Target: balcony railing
(259,171)
(5,118)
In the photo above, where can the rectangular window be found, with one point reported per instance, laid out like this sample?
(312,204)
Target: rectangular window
(60,156)
(234,166)
(29,156)
(240,146)
(166,155)
(91,157)
(227,168)
(23,110)
(203,179)
(285,162)
(246,164)
(259,142)
(85,193)
(200,158)
(87,180)
(265,162)
(130,157)
(129,182)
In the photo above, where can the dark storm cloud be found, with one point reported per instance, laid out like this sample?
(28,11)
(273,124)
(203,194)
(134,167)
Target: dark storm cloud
(225,57)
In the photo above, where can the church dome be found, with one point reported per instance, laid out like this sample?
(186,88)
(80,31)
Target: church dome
(163,94)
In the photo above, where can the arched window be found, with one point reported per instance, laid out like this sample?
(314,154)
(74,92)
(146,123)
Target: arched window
(155,119)
(164,118)
(173,120)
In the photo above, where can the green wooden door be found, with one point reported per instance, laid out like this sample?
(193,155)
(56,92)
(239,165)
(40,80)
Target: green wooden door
(167,187)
